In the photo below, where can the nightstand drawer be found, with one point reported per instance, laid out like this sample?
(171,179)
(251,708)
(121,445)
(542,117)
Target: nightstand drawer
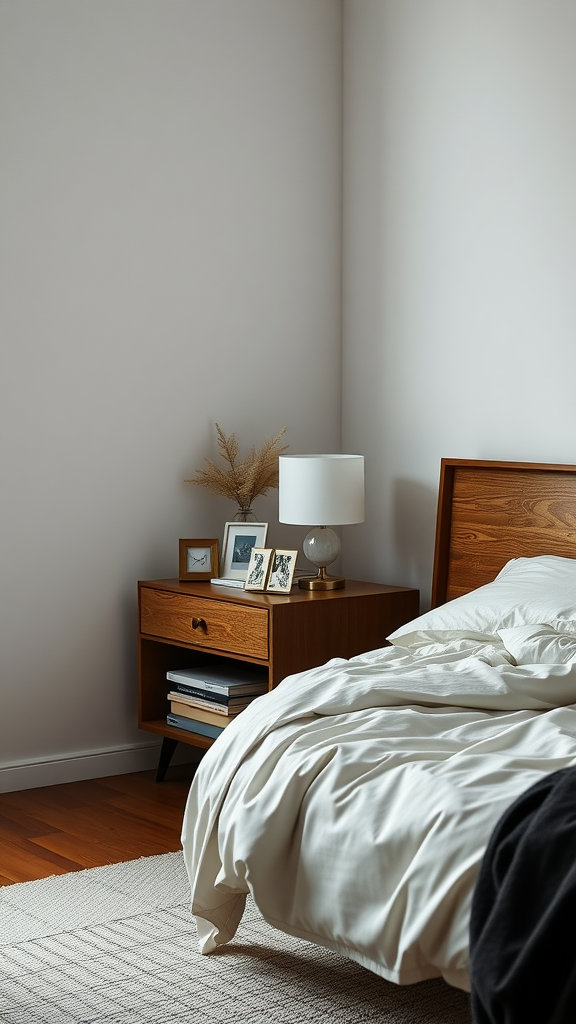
(220,625)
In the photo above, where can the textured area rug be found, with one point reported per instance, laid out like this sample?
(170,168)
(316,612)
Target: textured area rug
(117,945)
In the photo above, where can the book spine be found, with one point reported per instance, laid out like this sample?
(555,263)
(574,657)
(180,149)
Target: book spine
(224,689)
(199,714)
(192,725)
(206,705)
(201,684)
(196,691)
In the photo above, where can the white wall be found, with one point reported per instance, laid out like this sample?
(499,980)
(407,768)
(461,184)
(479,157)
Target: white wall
(170,258)
(459,254)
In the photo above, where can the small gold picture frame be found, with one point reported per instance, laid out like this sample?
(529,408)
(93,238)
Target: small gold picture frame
(258,568)
(281,571)
(198,559)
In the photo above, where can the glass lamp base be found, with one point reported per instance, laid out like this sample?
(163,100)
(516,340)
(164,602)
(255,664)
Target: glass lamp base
(321,547)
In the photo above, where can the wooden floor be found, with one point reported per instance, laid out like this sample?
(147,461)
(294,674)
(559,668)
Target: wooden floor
(56,829)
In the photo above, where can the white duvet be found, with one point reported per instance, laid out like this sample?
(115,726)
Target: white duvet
(355,801)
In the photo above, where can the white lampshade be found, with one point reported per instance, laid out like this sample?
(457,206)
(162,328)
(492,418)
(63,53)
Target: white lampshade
(321,490)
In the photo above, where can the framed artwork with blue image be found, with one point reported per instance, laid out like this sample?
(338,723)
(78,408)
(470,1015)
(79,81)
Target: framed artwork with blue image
(239,539)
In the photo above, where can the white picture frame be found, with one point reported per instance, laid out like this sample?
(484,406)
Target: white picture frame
(237,544)
(259,569)
(282,571)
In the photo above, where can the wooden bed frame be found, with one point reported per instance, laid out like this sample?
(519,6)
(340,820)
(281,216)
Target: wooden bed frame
(489,512)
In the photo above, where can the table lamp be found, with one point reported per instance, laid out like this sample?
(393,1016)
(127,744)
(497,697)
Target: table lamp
(321,491)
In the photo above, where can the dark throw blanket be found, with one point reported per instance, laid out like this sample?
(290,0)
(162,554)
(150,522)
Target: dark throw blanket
(523,920)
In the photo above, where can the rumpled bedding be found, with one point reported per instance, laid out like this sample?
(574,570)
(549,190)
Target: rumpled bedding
(355,801)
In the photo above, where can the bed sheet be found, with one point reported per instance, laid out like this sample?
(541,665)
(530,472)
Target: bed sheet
(355,801)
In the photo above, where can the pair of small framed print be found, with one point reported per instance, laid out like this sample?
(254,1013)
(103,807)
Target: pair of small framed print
(271,569)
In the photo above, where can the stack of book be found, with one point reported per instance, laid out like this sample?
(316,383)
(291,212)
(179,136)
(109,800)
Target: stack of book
(205,699)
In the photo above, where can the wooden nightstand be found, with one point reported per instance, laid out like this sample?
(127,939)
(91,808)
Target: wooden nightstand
(181,625)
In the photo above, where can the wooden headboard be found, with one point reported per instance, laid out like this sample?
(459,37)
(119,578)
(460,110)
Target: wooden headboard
(489,512)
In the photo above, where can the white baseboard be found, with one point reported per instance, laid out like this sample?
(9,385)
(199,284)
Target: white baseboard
(93,764)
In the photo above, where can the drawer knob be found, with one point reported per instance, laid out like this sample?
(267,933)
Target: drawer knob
(198,623)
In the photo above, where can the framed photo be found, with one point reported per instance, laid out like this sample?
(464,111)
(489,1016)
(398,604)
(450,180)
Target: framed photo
(259,568)
(282,571)
(239,539)
(198,559)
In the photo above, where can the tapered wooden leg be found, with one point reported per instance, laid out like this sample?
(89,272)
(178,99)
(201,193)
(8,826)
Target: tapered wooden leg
(168,747)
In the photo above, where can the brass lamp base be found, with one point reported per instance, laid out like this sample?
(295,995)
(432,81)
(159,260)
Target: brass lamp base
(322,581)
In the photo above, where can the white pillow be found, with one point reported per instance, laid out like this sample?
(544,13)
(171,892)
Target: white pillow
(527,591)
(539,645)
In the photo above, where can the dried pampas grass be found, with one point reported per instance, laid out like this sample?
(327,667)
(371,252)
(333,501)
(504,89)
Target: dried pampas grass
(243,479)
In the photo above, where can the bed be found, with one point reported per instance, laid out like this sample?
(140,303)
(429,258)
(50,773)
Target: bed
(355,801)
